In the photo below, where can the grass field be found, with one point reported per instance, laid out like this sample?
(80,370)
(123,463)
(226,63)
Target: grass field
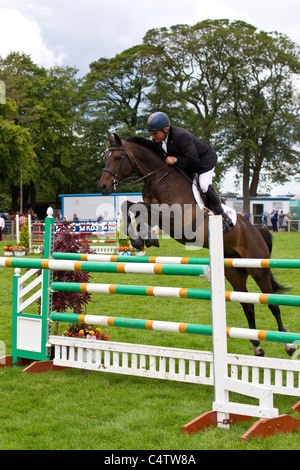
(74,409)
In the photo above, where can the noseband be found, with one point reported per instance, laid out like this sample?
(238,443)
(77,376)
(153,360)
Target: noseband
(115,174)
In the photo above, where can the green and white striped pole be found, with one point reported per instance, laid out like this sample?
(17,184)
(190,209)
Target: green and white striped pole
(141,324)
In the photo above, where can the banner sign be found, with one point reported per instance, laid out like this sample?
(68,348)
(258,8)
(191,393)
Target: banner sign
(90,227)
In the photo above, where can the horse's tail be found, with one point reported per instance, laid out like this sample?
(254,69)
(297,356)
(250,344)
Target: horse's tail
(268,238)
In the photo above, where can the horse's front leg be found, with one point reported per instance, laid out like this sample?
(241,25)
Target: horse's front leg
(152,238)
(134,216)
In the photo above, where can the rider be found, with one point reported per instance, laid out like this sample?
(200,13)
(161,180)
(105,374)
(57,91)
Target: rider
(179,146)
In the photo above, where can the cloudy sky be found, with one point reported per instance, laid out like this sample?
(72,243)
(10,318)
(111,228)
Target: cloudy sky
(77,32)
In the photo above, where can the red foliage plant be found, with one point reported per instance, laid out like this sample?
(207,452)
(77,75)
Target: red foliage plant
(67,241)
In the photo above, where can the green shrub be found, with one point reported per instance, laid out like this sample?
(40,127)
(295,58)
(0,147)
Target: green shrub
(24,236)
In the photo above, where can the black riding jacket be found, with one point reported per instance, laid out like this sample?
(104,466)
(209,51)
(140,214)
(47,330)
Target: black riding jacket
(193,155)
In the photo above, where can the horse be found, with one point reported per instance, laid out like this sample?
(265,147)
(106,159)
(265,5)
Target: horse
(166,184)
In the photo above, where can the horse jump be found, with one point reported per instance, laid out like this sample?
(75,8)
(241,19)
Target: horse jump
(142,360)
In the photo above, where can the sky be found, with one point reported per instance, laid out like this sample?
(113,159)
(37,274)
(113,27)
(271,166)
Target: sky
(78,32)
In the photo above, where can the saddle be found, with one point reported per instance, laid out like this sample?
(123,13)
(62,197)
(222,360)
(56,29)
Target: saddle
(203,202)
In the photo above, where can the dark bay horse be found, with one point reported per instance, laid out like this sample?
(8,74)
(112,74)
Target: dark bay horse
(165,184)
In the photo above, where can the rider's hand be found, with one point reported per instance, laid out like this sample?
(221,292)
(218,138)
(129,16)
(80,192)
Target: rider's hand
(171,160)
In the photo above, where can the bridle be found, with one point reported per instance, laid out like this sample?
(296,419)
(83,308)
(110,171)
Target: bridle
(115,174)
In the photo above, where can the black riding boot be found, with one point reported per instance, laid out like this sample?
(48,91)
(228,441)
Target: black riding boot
(216,206)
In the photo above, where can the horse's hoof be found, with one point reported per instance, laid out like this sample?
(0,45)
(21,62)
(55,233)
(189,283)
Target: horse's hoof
(290,349)
(259,352)
(137,243)
(151,242)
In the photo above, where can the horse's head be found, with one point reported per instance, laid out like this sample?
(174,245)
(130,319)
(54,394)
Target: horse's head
(118,165)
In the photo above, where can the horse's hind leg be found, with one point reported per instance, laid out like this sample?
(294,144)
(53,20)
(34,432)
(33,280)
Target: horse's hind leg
(290,348)
(250,315)
(238,280)
(263,279)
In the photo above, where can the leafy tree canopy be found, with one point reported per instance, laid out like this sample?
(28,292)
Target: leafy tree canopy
(229,83)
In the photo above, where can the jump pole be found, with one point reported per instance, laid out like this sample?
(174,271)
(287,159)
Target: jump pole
(136,268)
(182,292)
(190,328)
(228,262)
(91,266)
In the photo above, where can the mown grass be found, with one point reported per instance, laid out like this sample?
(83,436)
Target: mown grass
(74,409)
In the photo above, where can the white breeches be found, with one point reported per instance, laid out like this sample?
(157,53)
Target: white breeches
(205,179)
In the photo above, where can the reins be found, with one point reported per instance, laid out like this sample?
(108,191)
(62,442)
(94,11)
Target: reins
(115,174)
(117,183)
(142,178)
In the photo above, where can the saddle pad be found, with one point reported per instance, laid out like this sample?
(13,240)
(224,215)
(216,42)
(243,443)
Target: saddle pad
(231,212)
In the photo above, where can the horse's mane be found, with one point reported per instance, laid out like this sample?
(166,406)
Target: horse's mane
(143,142)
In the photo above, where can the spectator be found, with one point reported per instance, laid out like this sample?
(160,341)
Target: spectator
(281,218)
(274,220)
(2,225)
(245,214)
(75,218)
(264,220)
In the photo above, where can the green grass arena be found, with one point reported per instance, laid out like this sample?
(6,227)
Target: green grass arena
(73,409)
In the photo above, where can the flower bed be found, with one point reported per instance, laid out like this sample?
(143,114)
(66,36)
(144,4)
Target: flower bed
(125,247)
(19,250)
(8,250)
(129,250)
(79,330)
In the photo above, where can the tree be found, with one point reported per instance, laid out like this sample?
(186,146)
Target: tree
(261,122)
(113,96)
(57,133)
(17,154)
(117,87)
(16,151)
(192,65)
(42,111)
(233,87)
(93,146)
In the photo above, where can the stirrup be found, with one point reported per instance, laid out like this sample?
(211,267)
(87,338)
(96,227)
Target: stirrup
(227,222)
(227,218)
(226,227)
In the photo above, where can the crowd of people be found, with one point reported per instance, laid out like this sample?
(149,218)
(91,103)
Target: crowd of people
(277,219)
(60,218)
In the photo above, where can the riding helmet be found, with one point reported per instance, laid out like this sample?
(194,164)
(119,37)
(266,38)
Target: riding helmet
(157,121)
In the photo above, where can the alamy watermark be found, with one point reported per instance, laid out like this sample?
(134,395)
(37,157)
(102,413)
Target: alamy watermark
(183,223)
